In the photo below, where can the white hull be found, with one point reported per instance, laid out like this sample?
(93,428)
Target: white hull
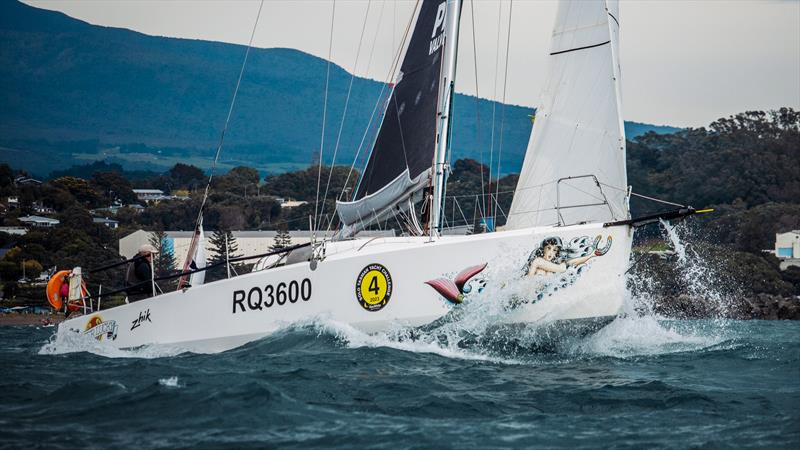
(228,313)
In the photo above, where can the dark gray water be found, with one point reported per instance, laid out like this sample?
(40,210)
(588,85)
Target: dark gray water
(637,383)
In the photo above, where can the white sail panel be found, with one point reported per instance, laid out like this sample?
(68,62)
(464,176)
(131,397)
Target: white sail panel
(578,128)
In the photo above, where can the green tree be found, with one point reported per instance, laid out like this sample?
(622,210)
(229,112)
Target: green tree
(241,181)
(9,271)
(32,268)
(217,249)
(186,176)
(6,176)
(80,189)
(282,240)
(113,186)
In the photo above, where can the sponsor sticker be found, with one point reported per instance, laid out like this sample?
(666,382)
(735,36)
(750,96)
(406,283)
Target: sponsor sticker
(374,287)
(144,316)
(99,329)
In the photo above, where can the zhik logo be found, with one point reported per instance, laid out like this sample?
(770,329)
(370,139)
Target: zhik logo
(143,316)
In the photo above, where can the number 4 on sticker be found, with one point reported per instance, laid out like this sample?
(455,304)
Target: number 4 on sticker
(374,287)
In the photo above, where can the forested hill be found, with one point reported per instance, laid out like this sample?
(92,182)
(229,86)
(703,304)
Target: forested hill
(74,92)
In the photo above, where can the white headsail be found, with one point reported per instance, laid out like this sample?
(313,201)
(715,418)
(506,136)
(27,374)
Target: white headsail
(578,128)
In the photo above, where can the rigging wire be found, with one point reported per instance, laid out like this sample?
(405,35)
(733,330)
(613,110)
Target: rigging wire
(503,114)
(378,102)
(391,72)
(477,97)
(494,96)
(228,119)
(635,194)
(324,114)
(344,112)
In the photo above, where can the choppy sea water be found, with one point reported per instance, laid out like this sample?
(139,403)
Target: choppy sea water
(639,382)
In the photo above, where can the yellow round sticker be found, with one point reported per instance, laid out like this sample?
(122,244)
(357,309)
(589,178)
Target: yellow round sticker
(374,287)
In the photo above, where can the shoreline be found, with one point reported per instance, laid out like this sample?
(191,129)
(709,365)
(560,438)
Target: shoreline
(27,319)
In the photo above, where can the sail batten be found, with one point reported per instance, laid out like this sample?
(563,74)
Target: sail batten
(574,169)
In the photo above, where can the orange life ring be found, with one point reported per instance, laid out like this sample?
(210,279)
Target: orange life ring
(54,292)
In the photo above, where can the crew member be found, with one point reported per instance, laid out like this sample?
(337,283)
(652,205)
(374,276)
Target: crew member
(140,274)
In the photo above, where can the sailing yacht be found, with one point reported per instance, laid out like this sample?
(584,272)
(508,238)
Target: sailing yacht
(561,257)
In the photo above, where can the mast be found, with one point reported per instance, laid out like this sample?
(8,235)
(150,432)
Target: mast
(448,87)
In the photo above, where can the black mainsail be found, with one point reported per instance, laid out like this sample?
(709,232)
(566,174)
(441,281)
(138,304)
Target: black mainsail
(401,159)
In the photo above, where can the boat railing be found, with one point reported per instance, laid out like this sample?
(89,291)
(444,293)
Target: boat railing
(152,282)
(559,207)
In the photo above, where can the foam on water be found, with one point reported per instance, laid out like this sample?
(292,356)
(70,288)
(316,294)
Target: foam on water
(171,382)
(60,344)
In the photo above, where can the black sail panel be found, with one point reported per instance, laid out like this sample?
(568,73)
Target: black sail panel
(407,137)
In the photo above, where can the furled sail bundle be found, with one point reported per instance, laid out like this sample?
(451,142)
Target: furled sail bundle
(400,162)
(578,129)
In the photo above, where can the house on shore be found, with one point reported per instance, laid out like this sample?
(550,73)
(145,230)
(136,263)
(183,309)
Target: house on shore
(110,223)
(787,248)
(149,195)
(39,221)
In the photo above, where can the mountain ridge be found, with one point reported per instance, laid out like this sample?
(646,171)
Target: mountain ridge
(77,92)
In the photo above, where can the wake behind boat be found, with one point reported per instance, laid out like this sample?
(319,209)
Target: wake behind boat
(562,255)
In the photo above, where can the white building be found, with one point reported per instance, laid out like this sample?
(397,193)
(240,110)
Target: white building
(292,203)
(787,248)
(249,242)
(39,221)
(18,231)
(149,194)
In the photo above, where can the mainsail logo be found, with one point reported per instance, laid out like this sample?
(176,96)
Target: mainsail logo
(438,27)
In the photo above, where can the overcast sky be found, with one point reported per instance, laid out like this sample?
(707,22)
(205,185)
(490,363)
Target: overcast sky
(684,63)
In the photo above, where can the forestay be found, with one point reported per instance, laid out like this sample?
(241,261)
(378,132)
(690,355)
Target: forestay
(400,162)
(578,129)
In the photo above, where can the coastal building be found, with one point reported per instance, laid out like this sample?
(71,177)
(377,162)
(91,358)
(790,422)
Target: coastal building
(23,180)
(39,221)
(110,223)
(40,208)
(787,248)
(249,242)
(292,203)
(18,231)
(147,195)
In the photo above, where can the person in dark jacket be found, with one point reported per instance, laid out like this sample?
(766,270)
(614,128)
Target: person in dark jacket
(140,273)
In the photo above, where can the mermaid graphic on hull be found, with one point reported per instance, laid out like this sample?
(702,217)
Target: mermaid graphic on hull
(557,264)
(553,256)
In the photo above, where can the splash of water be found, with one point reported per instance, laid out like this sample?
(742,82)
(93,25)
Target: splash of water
(698,274)
(65,343)
(171,382)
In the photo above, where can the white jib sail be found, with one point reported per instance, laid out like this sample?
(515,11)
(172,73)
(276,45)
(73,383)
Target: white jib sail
(578,128)
(199,260)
